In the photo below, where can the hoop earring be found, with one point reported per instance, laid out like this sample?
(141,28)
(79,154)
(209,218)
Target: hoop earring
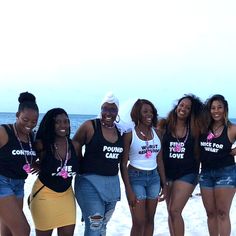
(117,120)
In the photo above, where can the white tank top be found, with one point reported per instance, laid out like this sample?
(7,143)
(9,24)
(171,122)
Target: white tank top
(138,156)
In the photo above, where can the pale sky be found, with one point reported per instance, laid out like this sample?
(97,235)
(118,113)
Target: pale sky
(70,53)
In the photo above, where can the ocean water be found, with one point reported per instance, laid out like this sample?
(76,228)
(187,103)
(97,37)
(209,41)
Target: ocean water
(75,120)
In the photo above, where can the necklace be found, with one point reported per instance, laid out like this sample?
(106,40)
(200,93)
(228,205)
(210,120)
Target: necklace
(148,153)
(178,145)
(213,133)
(107,126)
(27,165)
(63,168)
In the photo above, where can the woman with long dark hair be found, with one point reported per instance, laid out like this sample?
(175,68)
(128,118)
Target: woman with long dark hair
(180,135)
(52,202)
(218,169)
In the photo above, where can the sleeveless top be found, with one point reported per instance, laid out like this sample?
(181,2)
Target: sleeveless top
(138,151)
(102,157)
(216,153)
(12,156)
(50,168)
(179,162)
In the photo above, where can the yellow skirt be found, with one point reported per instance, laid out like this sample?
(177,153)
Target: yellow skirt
(50,209)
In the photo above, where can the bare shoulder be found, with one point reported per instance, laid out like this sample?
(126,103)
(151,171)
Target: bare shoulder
(232,127)
(3,136)
(2,130)
(127,137)
(232,132)
(84,132)
(159,132)
(87,125)
(76,146)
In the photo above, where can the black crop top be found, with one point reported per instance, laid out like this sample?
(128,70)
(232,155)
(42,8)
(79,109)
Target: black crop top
(50,168)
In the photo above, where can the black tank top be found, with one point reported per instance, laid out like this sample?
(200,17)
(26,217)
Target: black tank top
(12,157)
(216,153)
(179,162)
(50,168)
(102,157)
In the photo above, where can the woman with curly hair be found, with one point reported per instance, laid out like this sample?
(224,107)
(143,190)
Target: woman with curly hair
(180,135)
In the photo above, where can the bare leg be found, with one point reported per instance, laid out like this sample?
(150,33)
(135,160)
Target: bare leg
(43,233)
(149,219)
(181,191)
(66,230)
(208,198)
(224,197)
(138,218)
(12,217)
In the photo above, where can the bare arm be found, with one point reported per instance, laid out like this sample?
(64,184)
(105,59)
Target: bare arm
(82,136)
(161,170)
(232,138)
(132,200)
(3,136)
(40,152)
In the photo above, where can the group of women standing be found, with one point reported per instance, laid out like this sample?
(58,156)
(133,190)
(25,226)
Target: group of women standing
(159,160)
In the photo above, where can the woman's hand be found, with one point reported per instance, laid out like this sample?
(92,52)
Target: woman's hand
(35,168)
(163,193)
(132,199)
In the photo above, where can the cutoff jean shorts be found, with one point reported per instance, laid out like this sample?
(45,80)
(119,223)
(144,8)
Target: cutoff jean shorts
(191,178)
(218,178)
(145,183)
(9,187)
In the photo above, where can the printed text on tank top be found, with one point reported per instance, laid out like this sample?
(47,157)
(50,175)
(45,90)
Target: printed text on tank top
(178,145)
(27,165)
(148,149)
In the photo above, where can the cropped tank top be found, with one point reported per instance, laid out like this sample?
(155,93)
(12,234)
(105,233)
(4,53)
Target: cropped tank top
(139,148)
(12,156)
(102,157)
(179,161)
(50,168)
(215,154)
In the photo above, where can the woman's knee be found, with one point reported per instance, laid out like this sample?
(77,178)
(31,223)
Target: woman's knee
(174,212)
(222,214)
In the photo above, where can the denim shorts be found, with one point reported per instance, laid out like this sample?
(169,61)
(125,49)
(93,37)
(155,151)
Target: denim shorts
(189,178)
(223,177)
(9,187)
(145,183)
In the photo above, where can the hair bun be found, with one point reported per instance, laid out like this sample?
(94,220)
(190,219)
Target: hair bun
(26,97)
